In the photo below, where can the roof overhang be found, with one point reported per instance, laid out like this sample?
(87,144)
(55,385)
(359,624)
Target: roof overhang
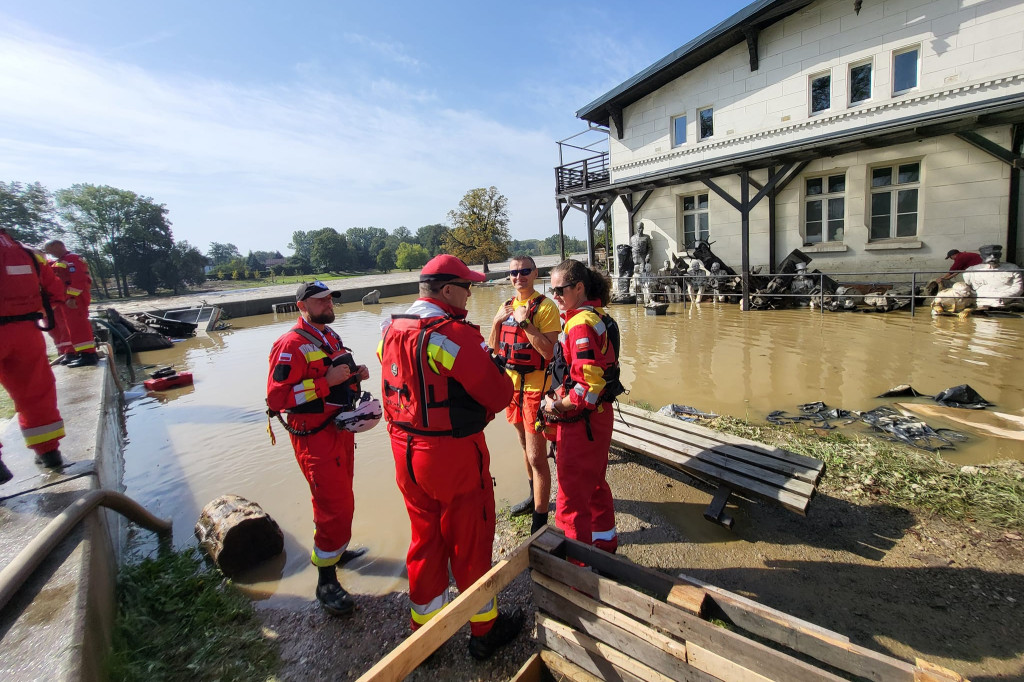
(733,31)
(968,117)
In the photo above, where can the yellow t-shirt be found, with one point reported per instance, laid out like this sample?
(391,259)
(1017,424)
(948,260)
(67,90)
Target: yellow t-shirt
(547,320)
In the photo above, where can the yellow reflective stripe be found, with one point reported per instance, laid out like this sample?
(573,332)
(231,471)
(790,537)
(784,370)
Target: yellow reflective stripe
(380,350)
(488,612)
(594,376)
(441,349)
(71,291)
(304,391)
(314,355)
(422,613)
(60,264)
(41,434)
(91,345)
(320,557)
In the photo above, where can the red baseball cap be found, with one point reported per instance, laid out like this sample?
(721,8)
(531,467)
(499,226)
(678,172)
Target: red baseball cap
(445,267)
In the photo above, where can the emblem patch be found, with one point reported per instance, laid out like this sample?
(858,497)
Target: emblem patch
(394,369)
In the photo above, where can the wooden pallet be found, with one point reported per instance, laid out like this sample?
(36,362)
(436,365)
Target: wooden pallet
(729,463)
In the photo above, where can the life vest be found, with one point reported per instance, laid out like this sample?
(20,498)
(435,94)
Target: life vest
(416,397)
(560,364)
(24,297)
(514,346)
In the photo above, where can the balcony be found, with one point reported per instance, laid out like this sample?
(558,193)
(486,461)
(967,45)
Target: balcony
(583,174)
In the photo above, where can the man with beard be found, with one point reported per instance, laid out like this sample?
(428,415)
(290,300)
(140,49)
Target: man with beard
(313,378)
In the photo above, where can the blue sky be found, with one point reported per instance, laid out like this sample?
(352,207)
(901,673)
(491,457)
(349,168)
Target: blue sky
(252,120)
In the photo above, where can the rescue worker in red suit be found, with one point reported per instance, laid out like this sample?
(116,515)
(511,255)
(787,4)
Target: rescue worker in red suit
(312,377)
(440,389)
(25,282)
(73,331)
(524,333)
(585,369)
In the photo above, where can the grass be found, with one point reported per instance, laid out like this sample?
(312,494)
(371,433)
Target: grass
(867,468)
(180,619)
(6,405)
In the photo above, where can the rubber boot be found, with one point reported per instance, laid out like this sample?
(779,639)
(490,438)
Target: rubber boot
(85,360)
(5,473)
(506,627)
(526,506)
(540,519)
(331,595)
(51,459)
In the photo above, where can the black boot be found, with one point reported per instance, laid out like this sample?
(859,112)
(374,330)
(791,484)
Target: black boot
(51,459)
(331,595)
(85,360)
(525,507)
(539,521)
(5,473)
(506,627)
(350,554)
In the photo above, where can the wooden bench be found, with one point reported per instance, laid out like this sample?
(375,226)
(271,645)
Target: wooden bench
(729,463)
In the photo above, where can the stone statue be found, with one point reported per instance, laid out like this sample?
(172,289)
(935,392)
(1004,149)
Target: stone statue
(640,244)
(802,284)
(624,258)
(669,278)
(696,281)
(995,284)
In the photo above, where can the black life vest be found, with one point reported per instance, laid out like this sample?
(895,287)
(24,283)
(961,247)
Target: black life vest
(416,398)
(343,396)
(560,364)
(514,346)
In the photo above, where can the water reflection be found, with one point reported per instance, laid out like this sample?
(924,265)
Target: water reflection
(189,445)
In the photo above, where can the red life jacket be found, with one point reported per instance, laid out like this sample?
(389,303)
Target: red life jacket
(22,296)
(515,347)
(416,398)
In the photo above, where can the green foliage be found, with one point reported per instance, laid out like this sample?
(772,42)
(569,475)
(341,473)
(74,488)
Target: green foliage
(411,256)
(330,250)
(479,231)
(366,244)
(178,619)
(27,212)
(183,266)
(386,260)
(222,254)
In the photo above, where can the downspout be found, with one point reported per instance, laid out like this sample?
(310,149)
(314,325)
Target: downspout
(1013,218)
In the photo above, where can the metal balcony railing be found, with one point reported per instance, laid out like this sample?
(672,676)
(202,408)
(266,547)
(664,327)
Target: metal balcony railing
(583,174)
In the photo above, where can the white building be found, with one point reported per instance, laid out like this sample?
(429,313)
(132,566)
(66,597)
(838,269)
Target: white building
(873,136)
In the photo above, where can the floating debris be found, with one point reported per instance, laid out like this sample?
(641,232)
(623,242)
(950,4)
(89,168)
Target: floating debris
(962,396)
(685,413)
(913,432)
(901,391)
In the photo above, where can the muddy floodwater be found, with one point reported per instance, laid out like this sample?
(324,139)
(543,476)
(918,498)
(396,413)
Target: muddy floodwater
(187,446)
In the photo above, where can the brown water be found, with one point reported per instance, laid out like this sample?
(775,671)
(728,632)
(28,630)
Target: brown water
(187,446)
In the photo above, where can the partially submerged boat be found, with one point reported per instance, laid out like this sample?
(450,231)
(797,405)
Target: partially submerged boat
(203,317)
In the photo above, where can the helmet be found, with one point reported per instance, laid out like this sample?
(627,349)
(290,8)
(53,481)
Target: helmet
(363,417)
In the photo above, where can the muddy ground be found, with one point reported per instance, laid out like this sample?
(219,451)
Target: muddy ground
(889,579)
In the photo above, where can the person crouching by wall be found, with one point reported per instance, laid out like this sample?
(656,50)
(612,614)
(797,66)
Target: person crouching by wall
(585,372)
(524,333)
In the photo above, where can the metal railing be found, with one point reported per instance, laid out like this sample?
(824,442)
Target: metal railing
(583,174)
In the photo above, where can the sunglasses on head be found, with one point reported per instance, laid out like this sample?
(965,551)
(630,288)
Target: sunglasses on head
(462,285)
(522,271)
(557,291)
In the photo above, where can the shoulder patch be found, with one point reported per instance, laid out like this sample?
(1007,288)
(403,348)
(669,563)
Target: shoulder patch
(284,357)
(281,372)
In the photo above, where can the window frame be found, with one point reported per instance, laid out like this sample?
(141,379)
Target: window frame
(917,68)
(824,198)
(870,63)
(675,140)
(893,189)
(700,131)
(696,211)
(810,92)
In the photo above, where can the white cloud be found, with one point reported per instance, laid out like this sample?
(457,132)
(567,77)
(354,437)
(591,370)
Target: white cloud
(249,165)
(394,52)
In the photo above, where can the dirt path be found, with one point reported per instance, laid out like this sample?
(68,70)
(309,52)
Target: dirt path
(906,586)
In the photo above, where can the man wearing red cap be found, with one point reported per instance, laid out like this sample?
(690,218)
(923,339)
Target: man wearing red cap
(313,378)
(440,389)
(961,261)
(27,286)
(73,332)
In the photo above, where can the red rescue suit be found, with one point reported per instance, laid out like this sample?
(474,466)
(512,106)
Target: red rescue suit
(440,388)
(520,356)
(24,368)
(73,332)
(584,508)
(297,384)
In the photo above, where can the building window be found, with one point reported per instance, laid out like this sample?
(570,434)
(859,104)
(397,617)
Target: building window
(825,208)
(904,69)
(821,92)
(894,200)
(707,122)
(695,219)
(860,82)
(678,131)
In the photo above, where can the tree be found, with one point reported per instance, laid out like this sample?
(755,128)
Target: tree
(222,254)
(253,262)
(366,243)
(330,252)
(386,260)
(131,230)
(432,238)
(403,234)
(27,212)
(184,266)
(479,227)
(302,245)
(411,256)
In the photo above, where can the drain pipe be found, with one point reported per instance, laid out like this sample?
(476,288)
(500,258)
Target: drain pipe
(14,575)
(115,333)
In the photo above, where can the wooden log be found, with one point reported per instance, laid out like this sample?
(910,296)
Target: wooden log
(237,534)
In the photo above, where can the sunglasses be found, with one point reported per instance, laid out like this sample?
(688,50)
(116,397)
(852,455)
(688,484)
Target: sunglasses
(522,271)
(462,285)
(557,291)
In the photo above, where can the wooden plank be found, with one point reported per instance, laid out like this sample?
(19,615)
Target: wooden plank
(749,654)
(605,661)
(688,598)
(800,635)
(706,432)
(713,664)
(780,480)
(532,671)
(652,582)
(694,445)
(695,467)
(550,541)
(612,627)
(929,672)
(404,658)
(562,668)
